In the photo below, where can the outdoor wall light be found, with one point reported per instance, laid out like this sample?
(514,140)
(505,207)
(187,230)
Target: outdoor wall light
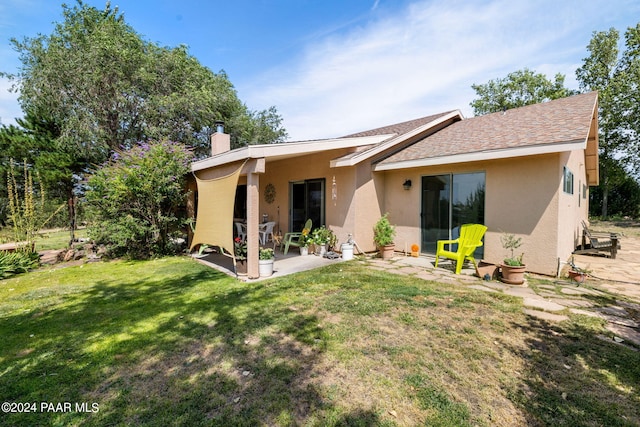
(407,184)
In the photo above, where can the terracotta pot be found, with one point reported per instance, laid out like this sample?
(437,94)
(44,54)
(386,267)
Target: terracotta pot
(386,251)
(577,276)
(513,275)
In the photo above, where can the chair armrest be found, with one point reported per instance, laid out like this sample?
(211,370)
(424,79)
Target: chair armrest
(441,243)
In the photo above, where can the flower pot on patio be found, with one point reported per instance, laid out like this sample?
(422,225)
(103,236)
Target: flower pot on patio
(265,267)
(321,249)
(304,250)
(386,251)
(513,275)
(485,269)
(577,276)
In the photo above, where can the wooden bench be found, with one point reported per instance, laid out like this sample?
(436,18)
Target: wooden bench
(597,243)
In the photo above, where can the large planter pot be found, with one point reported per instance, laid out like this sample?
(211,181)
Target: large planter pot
(386,251)
(513,275)
(265,267)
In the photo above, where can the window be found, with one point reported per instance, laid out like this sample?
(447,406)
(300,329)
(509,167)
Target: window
(567,184)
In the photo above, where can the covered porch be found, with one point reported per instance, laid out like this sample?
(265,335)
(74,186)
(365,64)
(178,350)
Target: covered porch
(284,265)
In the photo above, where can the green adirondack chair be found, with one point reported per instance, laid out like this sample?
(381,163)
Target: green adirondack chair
(291,239)
(470,238)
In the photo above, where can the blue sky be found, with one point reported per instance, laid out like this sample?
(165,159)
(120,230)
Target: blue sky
(333,67)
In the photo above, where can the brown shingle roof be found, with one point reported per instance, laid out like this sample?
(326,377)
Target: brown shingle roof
(561,120)
(398,128)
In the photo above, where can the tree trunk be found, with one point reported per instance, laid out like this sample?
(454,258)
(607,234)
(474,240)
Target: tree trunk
(72,218)
(605,194)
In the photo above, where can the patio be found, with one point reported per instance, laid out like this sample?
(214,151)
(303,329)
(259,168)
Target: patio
(283,265)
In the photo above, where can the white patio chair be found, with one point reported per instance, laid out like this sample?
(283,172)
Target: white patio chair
(266,232)
(241,230)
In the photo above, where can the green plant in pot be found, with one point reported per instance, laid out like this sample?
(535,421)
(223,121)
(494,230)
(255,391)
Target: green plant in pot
(265,262)
(383,234)
(512,267)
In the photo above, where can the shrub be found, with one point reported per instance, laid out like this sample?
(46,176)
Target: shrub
(383,231)
(17,262)
(134,199)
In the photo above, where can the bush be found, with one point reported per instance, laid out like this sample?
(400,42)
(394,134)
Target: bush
(17,262)
(383,231)
(133,200)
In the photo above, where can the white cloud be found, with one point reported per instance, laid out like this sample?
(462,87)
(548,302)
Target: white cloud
(419,61)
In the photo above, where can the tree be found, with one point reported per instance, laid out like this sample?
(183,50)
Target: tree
(134,199)
(617,81)
(35,140)
(108,88)
(518,89)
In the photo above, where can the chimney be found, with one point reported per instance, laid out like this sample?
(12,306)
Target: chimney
(220,141)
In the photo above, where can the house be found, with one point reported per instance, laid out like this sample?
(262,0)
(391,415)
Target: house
(525,171)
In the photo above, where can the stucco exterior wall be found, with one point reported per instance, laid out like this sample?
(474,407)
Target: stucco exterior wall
(573,208)
(521,197)
(340,214)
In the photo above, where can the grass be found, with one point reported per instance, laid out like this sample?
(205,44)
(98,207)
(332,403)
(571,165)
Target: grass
(171,342)
(46,239)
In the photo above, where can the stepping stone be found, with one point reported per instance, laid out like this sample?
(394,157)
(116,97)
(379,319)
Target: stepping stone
(546,316)
(614,310)
(519,291)
(542,304)
(628,334)
(573,302)
(585,313)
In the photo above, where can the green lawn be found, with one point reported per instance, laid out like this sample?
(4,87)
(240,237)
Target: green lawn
(171,342)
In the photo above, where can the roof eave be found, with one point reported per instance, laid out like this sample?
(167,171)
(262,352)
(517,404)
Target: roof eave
(483,155)
(287,149)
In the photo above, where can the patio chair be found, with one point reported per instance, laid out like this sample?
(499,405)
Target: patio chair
(291,239)
(266,232)
(598,242)
(241,230)
(470,238)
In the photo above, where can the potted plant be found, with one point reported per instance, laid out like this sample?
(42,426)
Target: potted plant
(265,262)
(383,234)
(304,241)
(322,238)
(576,273)
(240,251)
(512,267)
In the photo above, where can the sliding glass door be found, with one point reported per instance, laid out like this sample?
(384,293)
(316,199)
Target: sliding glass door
(306,201)
(449,201)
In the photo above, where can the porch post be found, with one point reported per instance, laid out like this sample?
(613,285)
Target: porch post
(253,217)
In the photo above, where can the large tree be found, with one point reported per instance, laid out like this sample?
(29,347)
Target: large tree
(517,89)
(109,88)
(617,79)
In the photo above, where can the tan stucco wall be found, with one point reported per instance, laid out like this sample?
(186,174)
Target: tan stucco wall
(521,198)
(340,214)
(573,208)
